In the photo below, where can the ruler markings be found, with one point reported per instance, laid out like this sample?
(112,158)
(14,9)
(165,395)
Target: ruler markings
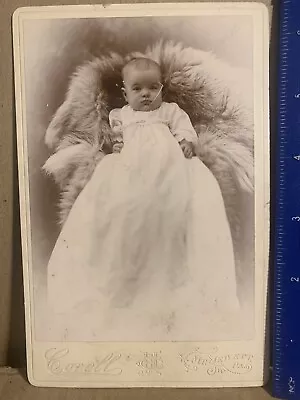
(280,262)
(287,238)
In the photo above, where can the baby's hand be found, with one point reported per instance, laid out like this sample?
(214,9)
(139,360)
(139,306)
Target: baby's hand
(117,129)
(117,147)
(187,148)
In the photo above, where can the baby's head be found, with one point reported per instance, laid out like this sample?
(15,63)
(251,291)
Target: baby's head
(142,84)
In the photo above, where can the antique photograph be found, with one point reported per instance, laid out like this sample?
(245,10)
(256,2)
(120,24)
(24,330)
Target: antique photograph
(140,143)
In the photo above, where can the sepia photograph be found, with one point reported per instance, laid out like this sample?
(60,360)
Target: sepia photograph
(143,161)
(140,136)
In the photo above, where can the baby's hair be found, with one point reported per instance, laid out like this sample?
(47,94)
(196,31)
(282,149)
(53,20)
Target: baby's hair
(141,63)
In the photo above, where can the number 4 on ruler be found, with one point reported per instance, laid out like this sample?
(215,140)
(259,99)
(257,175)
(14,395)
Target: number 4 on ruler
(297,158)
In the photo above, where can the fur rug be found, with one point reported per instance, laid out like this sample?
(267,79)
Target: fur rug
(197,81)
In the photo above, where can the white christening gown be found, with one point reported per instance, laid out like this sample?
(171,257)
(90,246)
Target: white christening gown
(146,252)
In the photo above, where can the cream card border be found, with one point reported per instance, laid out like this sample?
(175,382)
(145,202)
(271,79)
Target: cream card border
(173,364)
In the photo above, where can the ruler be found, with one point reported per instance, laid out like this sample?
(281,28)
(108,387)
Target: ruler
(286,351)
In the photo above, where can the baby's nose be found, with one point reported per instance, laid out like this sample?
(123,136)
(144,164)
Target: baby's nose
(145,92)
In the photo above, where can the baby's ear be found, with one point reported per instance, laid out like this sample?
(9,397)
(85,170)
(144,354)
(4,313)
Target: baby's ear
(124,93)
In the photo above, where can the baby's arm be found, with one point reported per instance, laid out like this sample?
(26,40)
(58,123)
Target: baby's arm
(116,127)
(182,129)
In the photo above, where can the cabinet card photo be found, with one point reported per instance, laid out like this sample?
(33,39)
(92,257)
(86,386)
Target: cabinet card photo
(144,193)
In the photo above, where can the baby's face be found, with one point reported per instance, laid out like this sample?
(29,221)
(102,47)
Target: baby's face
(143,89)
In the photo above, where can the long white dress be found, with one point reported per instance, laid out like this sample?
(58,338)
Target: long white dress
(146,252)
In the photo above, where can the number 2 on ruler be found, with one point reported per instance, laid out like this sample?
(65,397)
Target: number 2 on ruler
(295,279)
(292,385)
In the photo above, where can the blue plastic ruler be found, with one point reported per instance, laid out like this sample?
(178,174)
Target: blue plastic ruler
(286,358)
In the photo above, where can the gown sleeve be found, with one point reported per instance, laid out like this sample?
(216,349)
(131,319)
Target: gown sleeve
(180,124)
(115,123)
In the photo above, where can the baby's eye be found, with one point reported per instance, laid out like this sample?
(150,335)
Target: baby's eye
(154,87)
(136,88)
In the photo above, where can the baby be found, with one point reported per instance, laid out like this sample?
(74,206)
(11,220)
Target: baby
(143,92)
(151,265)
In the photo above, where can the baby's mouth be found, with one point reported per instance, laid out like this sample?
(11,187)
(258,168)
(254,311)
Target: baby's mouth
(146,102)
